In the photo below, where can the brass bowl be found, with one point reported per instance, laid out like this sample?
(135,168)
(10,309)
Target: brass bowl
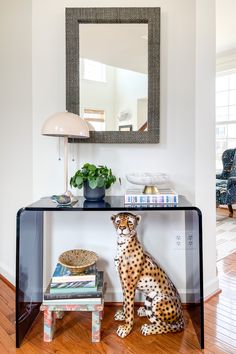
(77,260)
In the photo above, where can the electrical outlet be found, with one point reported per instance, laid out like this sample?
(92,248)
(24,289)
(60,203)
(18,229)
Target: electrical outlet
(189,240)
(182,241)
(179,241)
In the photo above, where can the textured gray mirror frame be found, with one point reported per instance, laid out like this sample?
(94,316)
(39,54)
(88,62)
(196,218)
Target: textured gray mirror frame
(149,15)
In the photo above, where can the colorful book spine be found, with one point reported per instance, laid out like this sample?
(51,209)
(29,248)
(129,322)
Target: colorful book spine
(76,285)
(63,275)
(151,199)
(76,294)
(71,289)
(57,296)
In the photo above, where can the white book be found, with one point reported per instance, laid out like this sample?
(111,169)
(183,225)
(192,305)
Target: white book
(84,301)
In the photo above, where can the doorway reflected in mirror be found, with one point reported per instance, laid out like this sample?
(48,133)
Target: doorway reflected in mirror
(126,128)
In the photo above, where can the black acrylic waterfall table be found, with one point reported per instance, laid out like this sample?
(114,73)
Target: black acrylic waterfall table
(29,256)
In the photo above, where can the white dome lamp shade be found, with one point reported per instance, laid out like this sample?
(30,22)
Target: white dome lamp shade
(67,125)
(90,126)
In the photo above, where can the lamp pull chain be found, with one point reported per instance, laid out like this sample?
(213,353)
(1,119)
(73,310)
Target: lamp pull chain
(73,149)
(66,163)
(59,152)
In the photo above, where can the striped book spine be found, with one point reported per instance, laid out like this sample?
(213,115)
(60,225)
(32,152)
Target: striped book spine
(151,199)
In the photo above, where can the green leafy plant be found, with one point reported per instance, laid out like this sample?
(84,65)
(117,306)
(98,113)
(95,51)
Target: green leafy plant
(96,176)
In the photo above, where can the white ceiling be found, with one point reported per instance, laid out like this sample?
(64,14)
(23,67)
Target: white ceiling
(225,25)
(120,45)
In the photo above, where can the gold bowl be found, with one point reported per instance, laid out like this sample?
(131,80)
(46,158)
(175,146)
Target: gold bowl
(77,260)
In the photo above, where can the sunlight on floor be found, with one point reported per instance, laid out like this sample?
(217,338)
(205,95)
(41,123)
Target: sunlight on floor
(225,236)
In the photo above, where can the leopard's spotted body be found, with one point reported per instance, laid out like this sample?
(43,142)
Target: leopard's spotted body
(138,270)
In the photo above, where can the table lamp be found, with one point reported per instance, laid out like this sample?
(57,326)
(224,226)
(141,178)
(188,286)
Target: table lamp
(67,125)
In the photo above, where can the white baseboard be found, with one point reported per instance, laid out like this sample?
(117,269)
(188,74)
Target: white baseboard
(7,274)
(116,295)
(211,288)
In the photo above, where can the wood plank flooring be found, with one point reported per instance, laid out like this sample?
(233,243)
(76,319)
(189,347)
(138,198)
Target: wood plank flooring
(73,334)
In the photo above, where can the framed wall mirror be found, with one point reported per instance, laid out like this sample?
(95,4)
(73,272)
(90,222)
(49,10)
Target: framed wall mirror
(113,72)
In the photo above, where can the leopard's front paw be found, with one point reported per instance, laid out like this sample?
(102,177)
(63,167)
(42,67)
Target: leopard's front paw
(119,315)
(145,329)
(124,330)
(141,311)
(153,328)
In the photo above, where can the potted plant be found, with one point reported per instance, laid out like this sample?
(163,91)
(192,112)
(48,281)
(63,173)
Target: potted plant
(94,179)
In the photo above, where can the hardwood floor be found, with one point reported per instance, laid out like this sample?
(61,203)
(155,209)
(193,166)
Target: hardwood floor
(73,334)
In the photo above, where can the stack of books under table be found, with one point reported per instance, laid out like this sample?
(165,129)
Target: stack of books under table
(68,288)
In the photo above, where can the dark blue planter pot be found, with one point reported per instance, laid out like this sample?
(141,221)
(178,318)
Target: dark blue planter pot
(100,204)
(93,195)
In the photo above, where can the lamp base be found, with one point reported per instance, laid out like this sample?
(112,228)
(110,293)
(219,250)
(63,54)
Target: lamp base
(150,190)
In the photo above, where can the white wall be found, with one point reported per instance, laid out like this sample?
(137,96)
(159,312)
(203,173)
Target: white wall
(87,230)
(99,95)
(225,25)
(205,134)
(177,99)
(129,86)
(15,123)
(120,92)
(177,154)
(174,155)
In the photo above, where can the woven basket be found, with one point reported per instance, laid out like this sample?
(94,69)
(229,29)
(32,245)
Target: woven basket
(77,260)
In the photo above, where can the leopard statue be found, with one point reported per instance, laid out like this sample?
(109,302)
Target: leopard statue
(138,270)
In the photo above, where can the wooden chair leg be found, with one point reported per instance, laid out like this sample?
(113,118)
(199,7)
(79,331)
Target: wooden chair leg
(231,212)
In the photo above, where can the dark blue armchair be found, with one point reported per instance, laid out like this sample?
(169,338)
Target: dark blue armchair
(226,181)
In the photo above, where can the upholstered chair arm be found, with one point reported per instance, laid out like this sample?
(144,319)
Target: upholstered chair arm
(231,183)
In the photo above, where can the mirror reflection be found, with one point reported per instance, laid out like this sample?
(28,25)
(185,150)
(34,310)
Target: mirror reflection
(113,76)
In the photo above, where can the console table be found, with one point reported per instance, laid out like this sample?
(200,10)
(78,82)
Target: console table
(29,255)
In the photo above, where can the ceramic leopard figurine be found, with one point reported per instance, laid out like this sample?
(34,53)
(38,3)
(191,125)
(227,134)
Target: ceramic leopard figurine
(138,270)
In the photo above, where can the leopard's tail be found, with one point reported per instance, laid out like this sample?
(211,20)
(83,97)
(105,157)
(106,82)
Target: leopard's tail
(150,313)
(148,305)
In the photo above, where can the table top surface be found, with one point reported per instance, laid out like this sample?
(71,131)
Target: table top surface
(109,203)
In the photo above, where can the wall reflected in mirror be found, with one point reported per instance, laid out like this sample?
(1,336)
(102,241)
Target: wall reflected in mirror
(113,76)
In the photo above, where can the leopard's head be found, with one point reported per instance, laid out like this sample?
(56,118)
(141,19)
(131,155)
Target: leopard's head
(126,223)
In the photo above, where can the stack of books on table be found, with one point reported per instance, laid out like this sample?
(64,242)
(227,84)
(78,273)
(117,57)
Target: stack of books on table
(164,196)
(68,288)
